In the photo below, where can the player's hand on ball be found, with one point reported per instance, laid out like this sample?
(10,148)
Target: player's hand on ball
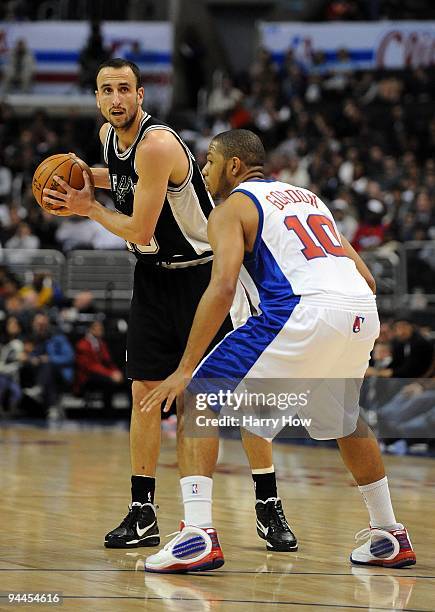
(167,391)
(78,201)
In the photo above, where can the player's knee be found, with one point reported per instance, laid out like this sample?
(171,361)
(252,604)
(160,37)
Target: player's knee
(139,390)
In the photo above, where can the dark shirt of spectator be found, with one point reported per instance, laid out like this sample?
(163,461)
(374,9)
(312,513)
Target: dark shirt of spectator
(412,353)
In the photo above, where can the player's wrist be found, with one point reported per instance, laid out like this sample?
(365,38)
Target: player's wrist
(94,209)
(186,368)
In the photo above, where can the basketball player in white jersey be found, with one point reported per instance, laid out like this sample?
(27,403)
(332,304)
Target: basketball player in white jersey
(318,321)
(162,206)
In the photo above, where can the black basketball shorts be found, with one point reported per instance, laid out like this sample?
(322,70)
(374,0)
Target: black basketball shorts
(162,310)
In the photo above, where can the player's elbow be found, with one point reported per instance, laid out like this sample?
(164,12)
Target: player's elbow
(371,283)
(142,237)
(226,289)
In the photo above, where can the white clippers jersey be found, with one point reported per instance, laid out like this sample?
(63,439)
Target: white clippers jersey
(298,248)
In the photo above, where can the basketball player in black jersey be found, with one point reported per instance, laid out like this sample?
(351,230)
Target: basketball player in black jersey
(162,207)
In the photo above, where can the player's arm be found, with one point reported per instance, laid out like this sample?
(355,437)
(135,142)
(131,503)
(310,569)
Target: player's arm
(101,175)
(101,178)
(360,265)
(154,164)
(225,233)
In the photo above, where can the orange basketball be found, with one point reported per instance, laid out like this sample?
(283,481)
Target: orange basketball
(69,168)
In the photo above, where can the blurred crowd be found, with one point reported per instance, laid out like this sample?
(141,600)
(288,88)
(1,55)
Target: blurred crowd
(50,345)
(398,394)
(364,141)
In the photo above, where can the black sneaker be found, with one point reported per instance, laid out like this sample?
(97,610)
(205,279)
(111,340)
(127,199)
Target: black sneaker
(272,526)
(139,528)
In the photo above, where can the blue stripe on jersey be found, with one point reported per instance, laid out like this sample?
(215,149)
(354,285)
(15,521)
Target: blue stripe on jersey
(260,220)
(233,358)
(263,180)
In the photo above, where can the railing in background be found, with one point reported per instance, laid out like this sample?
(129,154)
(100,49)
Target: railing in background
(404,279)
(24,263)
(108,274)
(417,263)
(385,267)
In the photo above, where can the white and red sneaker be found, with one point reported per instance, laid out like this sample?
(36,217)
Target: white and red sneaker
(192,550)
(384,548)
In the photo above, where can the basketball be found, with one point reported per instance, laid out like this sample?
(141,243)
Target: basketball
(69,168)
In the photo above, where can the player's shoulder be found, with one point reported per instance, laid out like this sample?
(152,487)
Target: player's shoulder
(103,132)
(158,142)
(160,136)
(238,205)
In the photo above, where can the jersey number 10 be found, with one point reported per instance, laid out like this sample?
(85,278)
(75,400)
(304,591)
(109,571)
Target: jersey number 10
(324,231)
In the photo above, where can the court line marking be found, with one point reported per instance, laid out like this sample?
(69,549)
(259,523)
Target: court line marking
(52,569)
(249,601)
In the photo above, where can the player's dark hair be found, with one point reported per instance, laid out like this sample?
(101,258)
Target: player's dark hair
(119,62)
(243,144)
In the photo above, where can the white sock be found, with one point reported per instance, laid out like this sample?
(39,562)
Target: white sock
(376,496)
(197,492)
(268,470)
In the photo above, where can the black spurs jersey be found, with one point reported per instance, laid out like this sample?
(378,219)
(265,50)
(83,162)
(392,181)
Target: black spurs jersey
(181,231)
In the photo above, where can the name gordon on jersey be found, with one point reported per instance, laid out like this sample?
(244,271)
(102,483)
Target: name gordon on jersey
(280,199)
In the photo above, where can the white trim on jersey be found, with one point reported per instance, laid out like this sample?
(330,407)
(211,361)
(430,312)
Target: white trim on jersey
(125,154)
(251,289)
(190,218)
(106,145)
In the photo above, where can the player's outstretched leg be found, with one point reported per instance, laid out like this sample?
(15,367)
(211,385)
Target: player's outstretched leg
(272,524)
(139,527)
(387,542)
(196,546)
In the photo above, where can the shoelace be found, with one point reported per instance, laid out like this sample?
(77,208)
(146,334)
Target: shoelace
(364,534)
(280,517)
(132,514)
(169,544)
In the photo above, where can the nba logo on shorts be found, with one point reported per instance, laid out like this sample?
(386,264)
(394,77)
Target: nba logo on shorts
(195,489)
(357,324)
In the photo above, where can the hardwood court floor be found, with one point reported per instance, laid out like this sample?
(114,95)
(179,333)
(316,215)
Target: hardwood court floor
(62,490)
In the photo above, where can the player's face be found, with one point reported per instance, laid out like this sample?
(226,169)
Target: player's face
(117,97)
(215,174)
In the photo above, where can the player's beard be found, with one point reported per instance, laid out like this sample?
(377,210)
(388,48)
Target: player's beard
(224,187)
(130,119)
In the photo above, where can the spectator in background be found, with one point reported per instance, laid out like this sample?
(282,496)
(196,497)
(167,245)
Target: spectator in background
(48,363)
(371,232)
(412,353)
(43,288)
(11,353)
(75,233)
(91,56)
(224,97)
(410,413)
(294,173)
(5,180)
(346,223)
(19,68)
(23,238)
(191,53)
(95,370)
